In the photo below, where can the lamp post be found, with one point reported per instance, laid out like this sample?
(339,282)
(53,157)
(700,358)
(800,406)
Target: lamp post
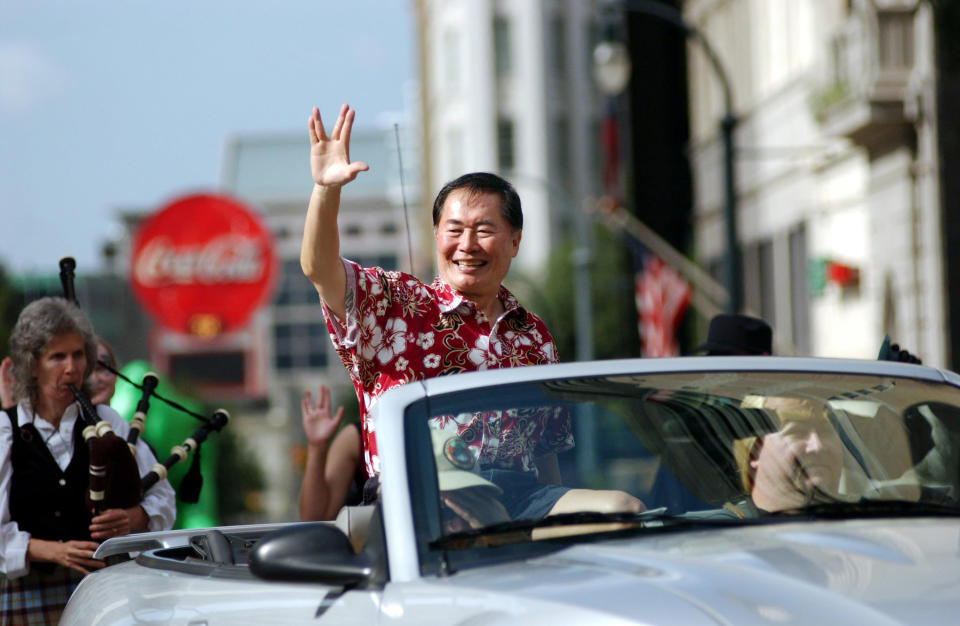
(612,71)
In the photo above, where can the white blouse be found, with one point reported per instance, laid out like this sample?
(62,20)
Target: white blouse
(158,502)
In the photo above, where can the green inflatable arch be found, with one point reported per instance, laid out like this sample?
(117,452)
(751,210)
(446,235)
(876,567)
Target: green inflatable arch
(166,427)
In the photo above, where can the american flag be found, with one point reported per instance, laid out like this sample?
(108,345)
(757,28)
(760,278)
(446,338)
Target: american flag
(662,296)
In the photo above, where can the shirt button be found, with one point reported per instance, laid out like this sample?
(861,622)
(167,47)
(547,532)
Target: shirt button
(63,481)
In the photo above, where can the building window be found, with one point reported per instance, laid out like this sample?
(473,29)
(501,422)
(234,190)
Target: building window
(839,56)
(558,39)
(561,148)
(751,276)
(594,171)
(300,345)
(451,61)
(800,304)
(888,311)
(454,160)
(212,368)
(592,37)
(386,261)
(758,279)
(895,39)
(768,287)
(502,51)
(292,286)
(506,152)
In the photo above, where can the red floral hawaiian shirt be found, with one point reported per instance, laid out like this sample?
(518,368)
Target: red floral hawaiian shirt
(398,329)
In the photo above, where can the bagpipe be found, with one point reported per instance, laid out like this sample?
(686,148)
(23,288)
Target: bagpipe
(115,480)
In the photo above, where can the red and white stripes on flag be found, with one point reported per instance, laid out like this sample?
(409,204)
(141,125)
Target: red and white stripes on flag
(662,297)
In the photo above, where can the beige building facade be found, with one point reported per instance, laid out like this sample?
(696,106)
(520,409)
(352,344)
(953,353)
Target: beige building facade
(837,169)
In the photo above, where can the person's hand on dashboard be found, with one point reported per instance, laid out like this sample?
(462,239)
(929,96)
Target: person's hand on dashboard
(471,508)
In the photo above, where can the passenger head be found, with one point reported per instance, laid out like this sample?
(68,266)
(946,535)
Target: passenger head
(103,382)
(734,334)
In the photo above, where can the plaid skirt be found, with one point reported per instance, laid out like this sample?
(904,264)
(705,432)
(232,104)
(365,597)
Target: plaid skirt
(37,598)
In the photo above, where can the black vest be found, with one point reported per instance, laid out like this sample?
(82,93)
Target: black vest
(45,501)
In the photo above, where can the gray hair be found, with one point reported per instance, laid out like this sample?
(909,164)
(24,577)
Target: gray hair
(39,322)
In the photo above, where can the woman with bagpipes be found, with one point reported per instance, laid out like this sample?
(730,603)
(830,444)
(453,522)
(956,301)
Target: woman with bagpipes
(50,519)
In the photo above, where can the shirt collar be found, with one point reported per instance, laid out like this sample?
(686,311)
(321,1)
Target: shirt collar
(450,299)
(25,415)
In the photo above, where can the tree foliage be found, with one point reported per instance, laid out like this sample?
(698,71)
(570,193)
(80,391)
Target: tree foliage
(613,310)
(11,301)
(241,479)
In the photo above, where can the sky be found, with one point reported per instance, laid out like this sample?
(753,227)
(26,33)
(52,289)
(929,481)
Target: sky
(126,104)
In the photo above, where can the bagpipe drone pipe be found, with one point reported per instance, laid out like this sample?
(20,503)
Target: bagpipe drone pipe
(115,480)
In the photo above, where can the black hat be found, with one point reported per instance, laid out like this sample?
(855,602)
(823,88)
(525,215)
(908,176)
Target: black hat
(738,334)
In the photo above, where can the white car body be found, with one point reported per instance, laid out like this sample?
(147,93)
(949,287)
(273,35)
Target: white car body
(890,568)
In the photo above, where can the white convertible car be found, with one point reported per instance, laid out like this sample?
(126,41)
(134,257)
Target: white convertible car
(709,490)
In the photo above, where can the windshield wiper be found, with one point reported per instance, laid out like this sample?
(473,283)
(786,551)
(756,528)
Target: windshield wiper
(522,530)
(866,508)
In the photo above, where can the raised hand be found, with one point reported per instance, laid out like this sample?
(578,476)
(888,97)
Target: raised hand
(330,163)
(318,426)
(476,507)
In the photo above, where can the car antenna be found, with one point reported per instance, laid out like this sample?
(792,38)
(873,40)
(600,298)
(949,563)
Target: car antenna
(403,196)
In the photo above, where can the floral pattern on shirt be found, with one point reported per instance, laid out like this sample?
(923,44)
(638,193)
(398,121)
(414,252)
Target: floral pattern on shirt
(512,438)
(398,329)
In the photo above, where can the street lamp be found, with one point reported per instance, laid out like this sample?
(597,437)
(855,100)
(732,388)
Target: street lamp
(612,71)
(611,67)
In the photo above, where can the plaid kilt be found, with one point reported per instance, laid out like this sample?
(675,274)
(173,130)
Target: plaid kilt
(37,598)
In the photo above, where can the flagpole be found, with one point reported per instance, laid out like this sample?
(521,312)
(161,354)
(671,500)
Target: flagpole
(709,296)
(733,302)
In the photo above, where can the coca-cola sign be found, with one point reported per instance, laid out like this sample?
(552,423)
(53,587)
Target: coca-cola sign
(202,264)
(223,259)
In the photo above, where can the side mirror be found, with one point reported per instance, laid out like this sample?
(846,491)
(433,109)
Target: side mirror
(309,553)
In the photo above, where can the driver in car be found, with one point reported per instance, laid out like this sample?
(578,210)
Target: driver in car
(794,466)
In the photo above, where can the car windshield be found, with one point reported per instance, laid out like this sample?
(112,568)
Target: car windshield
(677,448)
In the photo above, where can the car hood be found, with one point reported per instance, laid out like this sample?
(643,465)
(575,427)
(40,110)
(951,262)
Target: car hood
(857,572)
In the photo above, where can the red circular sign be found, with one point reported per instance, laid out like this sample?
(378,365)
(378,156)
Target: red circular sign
(203,264)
